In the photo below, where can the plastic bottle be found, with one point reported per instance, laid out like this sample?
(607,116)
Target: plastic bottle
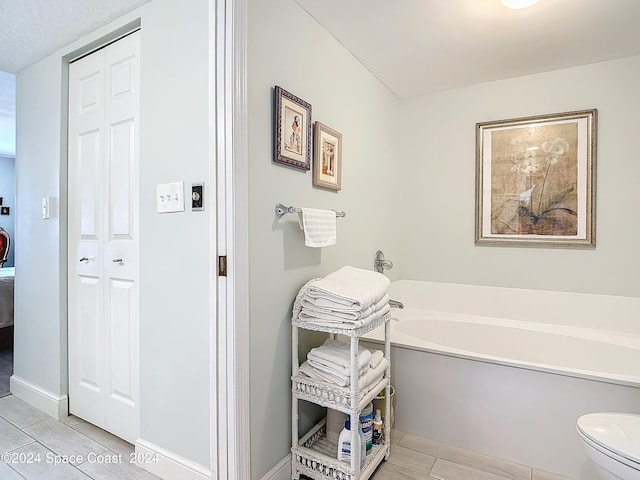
(363,445)
(366,417)
(377,436)
(344,443)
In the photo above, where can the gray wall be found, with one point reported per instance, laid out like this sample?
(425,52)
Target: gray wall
(8,194)
(288,48)
(174,275)
(439,178)
(409,188)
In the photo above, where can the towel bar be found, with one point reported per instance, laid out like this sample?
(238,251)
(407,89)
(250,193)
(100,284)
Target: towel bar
(281,210)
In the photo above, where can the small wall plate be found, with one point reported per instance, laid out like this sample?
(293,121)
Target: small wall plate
(197,196)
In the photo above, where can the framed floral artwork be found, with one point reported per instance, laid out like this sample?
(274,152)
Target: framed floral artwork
(327,157)
(535,180)
(292,130)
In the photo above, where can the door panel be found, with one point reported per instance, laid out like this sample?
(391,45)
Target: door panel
(89,185)
(103,238)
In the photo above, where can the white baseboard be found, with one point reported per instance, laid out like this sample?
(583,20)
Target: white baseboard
(50,403)
(168,465)
(282,471)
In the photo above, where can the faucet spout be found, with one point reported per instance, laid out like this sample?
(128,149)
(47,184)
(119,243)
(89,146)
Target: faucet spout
(396,304)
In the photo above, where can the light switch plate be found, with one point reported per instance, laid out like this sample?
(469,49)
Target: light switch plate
(170,197)
(46,207)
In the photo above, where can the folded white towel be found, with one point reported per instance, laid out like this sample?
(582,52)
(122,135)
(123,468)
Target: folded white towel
(319,227)
(365,382)
(350,289)
(337,355)
(340,375)
(329,320)
(310,307)
(297,304)
(321,372)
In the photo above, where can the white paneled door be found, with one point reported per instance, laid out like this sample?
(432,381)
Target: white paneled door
(103,237)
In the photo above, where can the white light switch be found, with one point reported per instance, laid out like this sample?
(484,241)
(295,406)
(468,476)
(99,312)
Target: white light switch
(170,197)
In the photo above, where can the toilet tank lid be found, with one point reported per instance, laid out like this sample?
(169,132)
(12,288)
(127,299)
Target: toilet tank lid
(618,432)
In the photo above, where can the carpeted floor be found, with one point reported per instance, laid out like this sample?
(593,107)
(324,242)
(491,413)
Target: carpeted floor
(6,369)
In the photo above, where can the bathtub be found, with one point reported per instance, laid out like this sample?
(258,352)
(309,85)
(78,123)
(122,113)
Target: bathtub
(507,372)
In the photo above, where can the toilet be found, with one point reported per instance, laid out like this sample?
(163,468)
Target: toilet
(612,442)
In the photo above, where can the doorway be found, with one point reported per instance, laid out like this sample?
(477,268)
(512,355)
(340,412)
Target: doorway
(103,237)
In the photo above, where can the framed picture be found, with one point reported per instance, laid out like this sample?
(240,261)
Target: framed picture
(327,157)
(535,180)
(1,200)
(292,130)
(4,210)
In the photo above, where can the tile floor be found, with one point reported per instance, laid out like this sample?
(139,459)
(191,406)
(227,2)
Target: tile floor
(31,443)
(417,458)
(27,435)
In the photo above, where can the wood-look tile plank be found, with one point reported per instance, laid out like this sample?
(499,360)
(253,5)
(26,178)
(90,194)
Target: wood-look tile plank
(64,440)
(45,468)
(389,471)
(477,461)
(105,438)
(542,475)
(7,473)
(120,469)
(19,412)
(11,437)
(411,459)
(396,436)
(446,470)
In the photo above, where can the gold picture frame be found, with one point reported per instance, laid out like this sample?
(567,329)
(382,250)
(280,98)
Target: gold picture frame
(535,180)
(327,157)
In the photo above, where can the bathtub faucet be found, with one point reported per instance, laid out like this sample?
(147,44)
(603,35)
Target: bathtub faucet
(396,304)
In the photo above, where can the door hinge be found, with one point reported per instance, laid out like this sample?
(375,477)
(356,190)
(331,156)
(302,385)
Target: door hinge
(222,266)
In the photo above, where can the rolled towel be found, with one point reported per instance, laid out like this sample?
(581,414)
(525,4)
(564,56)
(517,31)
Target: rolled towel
(350,289)
(376,357)
(374,375)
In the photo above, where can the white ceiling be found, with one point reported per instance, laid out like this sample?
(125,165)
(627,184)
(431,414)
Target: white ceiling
(413,46)
(30,30)
(423,46)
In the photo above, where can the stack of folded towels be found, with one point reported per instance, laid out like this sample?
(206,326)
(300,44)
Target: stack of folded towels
(331,363)
(347,298)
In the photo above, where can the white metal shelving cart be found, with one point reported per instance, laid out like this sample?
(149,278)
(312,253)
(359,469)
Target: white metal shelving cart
(314,455)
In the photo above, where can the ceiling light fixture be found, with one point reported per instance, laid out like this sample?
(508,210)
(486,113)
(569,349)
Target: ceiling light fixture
(519,3)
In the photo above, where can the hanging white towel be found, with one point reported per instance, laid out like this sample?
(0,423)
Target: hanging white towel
(319,227)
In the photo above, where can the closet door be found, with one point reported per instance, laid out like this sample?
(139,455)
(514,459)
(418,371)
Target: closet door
(103,238)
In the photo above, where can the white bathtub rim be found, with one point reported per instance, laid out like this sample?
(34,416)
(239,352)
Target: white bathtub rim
(401,340)
(601,311)
(609,336)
